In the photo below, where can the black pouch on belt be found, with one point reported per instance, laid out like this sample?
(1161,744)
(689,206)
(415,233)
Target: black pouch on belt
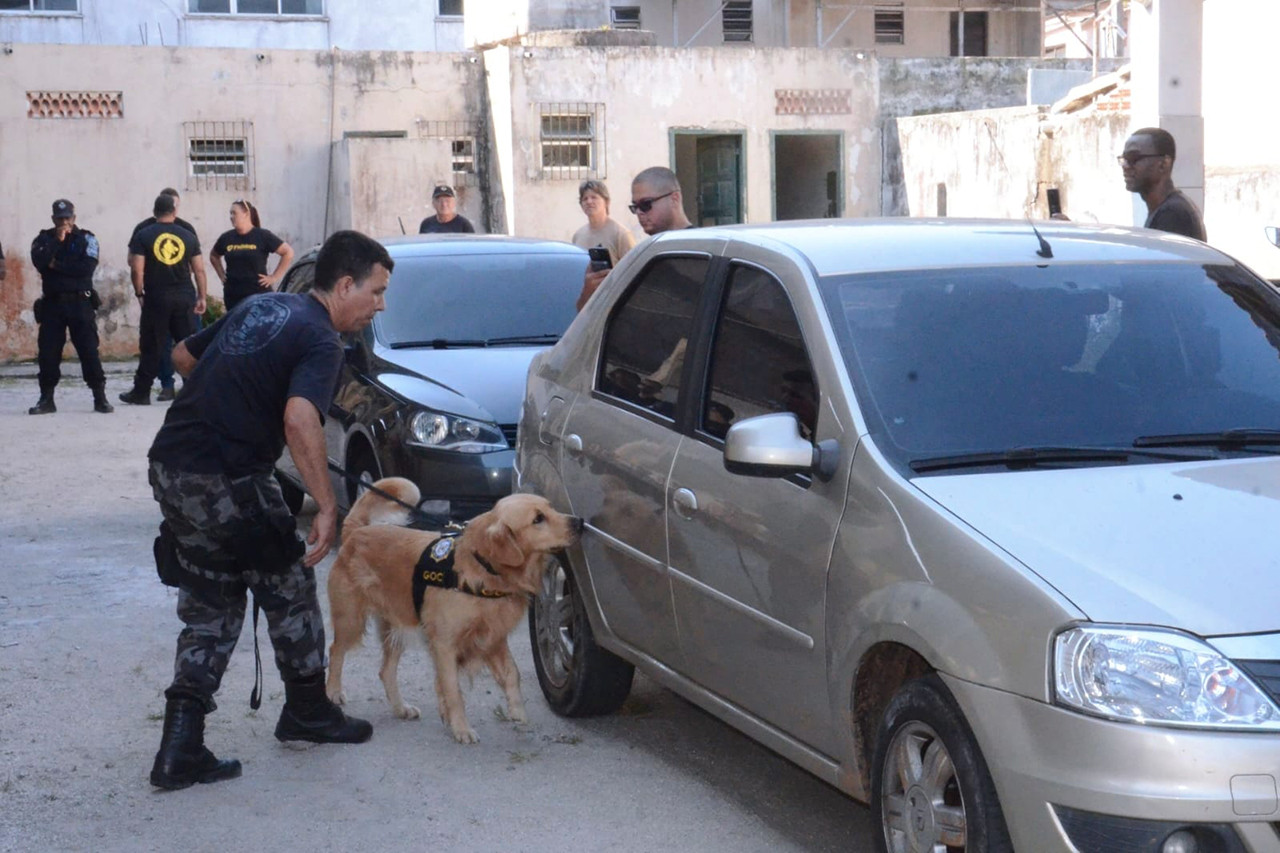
(37,308)
(165,549)
(267,541)
(95,301)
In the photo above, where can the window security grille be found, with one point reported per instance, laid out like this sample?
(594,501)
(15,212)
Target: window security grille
(572,140)
(219,155)
(255,7)
(736,18)
(462,145)
(890,25)
(39,6)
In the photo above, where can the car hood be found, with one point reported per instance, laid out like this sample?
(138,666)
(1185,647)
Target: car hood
(1185,545)
(482,383)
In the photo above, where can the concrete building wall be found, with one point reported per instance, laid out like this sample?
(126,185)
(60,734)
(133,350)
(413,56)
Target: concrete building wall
(686,23)
(1013,28)
(652,94)
(297,101)
(347,24)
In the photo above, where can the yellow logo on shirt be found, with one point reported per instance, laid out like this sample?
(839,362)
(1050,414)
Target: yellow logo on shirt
(168,249)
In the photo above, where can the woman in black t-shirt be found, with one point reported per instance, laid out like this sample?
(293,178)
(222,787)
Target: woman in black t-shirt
(245,249)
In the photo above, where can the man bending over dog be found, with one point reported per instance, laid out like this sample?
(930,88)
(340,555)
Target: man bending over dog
(260,378)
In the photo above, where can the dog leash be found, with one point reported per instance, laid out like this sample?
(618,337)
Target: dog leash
(419,516)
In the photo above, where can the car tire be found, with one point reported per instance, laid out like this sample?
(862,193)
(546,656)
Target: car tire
(930,786)
(363,466)
(578,678)
(294,497)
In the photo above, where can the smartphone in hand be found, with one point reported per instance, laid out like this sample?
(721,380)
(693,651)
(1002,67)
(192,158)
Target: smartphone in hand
(1054,198)
(600,259)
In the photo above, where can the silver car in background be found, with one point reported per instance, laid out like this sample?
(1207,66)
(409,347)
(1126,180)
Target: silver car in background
(973,522)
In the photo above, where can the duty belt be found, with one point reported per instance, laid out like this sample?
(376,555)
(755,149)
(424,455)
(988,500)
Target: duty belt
(435,568)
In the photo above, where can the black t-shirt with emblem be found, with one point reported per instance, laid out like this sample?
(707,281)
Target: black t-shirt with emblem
(245,256)
(167,249)
(229,418)
(151,220)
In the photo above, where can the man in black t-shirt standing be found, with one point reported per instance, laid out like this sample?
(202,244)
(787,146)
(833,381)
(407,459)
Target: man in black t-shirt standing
(1147,166)
(447,219)
(258,380)
(165,369)
(162,258)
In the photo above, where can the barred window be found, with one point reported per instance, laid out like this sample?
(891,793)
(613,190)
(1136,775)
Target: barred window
(890,25)
(572,140)
(39,5)
(625,17)
(256,7)
(219,155)
(735,15)
(462,147)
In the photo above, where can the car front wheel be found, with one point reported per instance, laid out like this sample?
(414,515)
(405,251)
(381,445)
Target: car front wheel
(578,678)
(929,782)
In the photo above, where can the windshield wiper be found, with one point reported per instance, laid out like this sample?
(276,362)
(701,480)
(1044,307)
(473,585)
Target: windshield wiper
(1030,457)
(548,338)
(440,343)
(1228,439)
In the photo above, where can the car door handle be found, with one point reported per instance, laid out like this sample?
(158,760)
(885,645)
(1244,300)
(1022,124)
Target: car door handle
(573,443)
(685,502)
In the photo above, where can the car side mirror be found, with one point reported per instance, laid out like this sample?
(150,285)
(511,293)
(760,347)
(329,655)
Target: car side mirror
(1273,235)
(772,446)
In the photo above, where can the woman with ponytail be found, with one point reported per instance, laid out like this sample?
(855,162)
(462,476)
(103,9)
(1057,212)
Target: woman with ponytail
(240,256)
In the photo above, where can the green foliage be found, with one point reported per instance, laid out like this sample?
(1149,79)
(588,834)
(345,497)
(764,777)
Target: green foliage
(214,308)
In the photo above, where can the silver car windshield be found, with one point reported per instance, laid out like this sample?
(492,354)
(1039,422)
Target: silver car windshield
(956,362)
(481,299)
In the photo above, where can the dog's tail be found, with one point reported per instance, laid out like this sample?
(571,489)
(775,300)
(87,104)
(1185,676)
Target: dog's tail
(373,508)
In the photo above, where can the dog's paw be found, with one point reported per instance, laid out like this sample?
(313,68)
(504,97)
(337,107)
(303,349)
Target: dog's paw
(465,734)
(516,714)
(408,712)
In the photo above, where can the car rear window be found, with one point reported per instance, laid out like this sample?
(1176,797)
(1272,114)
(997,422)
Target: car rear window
(481,297)
(964,361)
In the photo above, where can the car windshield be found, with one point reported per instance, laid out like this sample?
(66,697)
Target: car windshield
(481,299)
(948,363)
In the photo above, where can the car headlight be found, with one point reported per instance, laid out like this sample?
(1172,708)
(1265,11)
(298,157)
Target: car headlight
(448,432)
(1148,675)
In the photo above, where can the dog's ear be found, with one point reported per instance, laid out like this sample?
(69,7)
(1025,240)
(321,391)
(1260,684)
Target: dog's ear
(501,546)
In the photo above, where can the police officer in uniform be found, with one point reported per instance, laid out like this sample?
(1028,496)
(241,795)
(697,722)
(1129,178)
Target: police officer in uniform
(66,257)
(259,379)
(162,257)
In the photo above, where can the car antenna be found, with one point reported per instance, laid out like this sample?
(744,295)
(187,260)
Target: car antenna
(401,221)
(1045,250)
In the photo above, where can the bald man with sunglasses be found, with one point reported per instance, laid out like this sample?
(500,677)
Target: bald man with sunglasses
(658,204)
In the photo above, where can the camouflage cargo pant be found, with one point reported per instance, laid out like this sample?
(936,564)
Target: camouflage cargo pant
(212,593)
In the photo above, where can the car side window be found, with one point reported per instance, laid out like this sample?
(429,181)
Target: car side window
(645,340)
(759,364)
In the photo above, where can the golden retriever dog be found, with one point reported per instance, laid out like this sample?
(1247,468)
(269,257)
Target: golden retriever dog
(500,557)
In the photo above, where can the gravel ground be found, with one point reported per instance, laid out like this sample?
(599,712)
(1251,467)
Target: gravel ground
(86,649)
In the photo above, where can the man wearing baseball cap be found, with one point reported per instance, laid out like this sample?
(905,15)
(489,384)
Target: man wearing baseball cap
(66,257)
(446,220)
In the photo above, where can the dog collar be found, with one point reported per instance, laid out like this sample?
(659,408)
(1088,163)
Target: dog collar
(435,568)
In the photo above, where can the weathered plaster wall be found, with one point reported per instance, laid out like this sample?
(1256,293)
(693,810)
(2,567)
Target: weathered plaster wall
(1012,31)
(112,168)
(649,92)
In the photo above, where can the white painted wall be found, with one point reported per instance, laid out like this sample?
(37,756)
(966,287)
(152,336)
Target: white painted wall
(347,24)
(1013,28)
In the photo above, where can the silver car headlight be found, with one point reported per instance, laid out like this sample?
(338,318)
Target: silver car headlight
(448,432)
(1153,676)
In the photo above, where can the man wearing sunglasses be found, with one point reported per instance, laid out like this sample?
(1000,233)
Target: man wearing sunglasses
(1147,166)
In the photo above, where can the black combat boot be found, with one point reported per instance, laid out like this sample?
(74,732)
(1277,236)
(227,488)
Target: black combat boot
(183,759)
(100,403)
(309,715)
(137,396)
(43,406)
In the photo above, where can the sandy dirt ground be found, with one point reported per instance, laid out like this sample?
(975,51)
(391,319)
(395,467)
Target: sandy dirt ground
(86,648)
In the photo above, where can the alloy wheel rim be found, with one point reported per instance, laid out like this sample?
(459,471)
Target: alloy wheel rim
(553,611)
(923,808)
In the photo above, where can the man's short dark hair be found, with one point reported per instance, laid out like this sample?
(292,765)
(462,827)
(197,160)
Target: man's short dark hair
(658,178)
(349,253)
(1161,140)
(169,191)
(163,205)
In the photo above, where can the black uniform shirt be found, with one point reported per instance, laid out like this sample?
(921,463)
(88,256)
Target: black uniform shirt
(167,249)
(66,266)
(229,417)
(457,225)
(1178,214)
(245,256)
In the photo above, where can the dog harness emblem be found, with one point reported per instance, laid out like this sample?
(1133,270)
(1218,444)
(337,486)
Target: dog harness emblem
(435,568)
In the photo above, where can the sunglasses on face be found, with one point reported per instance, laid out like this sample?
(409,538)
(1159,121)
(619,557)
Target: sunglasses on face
(1133,159)
(644,205)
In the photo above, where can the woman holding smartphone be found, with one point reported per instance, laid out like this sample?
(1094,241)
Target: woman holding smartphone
(239,257)
(600,232)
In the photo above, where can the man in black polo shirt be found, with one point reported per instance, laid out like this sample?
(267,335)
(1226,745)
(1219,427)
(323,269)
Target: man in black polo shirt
(447,219)
(162,258)
(259,379)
